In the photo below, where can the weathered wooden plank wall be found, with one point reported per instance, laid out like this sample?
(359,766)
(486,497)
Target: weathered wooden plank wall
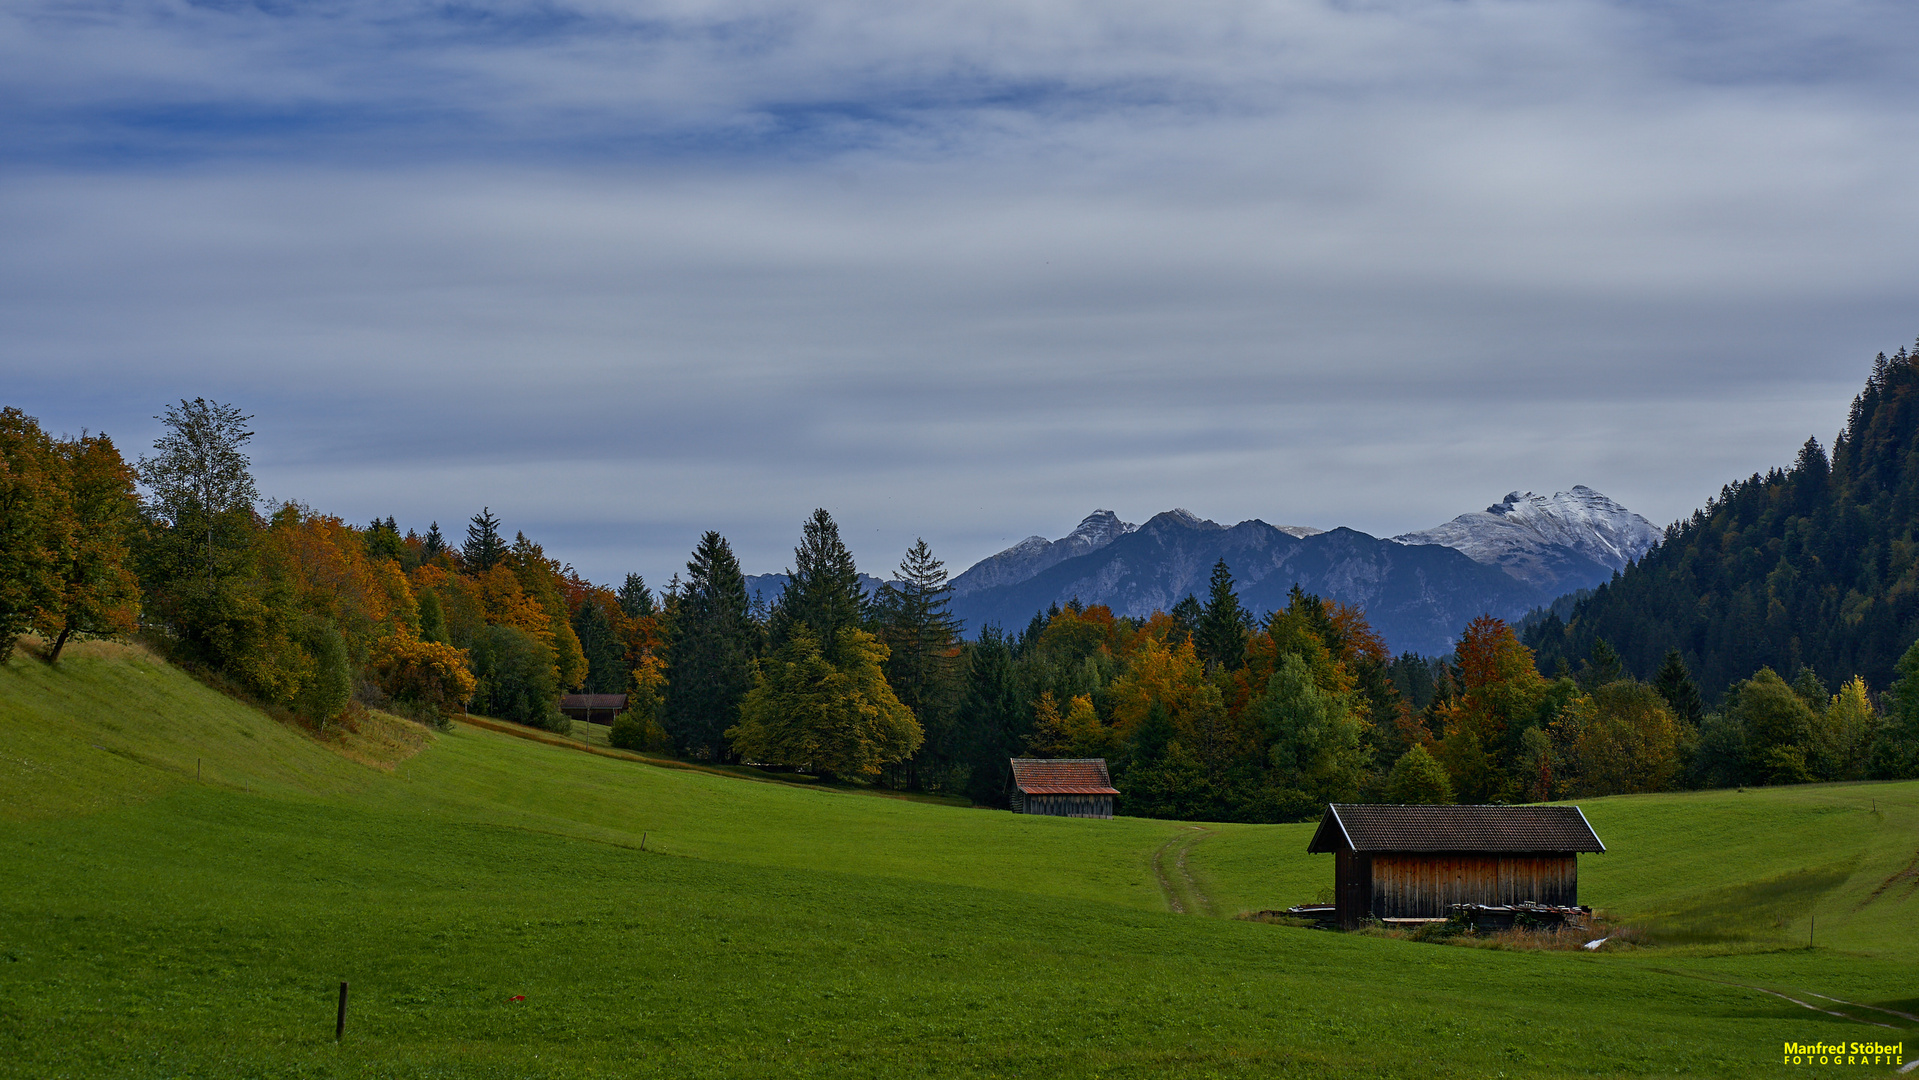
(1408,886)
(1093,806)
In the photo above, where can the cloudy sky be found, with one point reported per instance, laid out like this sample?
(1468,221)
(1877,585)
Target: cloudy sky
(625,270)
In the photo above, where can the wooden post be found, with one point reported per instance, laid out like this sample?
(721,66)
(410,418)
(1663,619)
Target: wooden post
(339,1025)
(196,769)
(1809,929)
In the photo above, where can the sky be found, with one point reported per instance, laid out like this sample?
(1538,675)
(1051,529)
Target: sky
(628,270)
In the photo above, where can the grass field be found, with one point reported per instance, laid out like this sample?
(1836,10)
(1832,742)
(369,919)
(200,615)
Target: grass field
(490,902)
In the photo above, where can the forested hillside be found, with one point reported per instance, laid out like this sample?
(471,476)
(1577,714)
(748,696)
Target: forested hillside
(1812,566)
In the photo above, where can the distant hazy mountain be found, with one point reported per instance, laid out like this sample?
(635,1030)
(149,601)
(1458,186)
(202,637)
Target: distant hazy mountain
(1036,553)
(1571,540)
(1417,596)
(768,587)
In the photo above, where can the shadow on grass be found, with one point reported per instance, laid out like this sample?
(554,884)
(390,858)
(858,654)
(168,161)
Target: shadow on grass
(1754,912)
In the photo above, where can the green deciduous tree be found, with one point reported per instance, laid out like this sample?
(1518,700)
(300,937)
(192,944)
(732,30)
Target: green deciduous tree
(96,590)
(838,719)
(1419,780)
(1313,737)
(327,683)
(1778,728)
(516,678)
(1621,739)
(200,475)
(33,524)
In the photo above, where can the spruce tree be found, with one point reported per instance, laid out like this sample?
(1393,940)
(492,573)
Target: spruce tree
(433,543)
(1602,667)
(1186,618)
(995,718)
(923,665)
(1675,684)
(709,651)
(635,598)
(484,548)
(1220,638)
(823,587)
(605,653)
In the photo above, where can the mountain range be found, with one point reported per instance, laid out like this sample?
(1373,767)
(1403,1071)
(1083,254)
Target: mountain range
(1418,589)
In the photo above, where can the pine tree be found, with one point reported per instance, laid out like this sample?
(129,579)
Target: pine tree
(1220,637)
(823,587)
(709,650)
(484,548)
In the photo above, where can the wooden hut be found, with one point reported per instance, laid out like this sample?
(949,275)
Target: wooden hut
(1414,862)
(593,708)
(1063,787)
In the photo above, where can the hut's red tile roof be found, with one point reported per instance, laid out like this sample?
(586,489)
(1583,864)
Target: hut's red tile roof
(1062,776)
(1373,827)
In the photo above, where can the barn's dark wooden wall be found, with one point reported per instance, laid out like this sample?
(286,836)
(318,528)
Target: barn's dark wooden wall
(1095,806)
(1425,886)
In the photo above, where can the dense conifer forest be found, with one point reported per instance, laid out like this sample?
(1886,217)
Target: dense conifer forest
(1811,567)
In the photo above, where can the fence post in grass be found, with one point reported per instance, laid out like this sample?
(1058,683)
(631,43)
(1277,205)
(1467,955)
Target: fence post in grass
(339,1025)
(196,769)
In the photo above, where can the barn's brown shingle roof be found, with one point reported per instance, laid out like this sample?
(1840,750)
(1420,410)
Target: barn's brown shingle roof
(1062,776)
(1370,827)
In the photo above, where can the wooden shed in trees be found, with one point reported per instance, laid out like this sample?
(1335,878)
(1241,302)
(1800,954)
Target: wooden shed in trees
(593,708)
(1415,862)
(1063,787)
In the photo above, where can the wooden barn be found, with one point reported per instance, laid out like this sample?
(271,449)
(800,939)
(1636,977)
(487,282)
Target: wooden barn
(1414,862)
(1063,787)
(593,708)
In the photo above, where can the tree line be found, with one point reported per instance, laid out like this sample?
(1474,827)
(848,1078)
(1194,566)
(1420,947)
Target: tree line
(1202,712)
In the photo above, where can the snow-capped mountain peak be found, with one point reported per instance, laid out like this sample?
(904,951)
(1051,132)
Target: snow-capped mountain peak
(1570,539)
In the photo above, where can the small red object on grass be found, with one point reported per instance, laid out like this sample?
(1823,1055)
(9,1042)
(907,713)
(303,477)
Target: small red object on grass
(517,997)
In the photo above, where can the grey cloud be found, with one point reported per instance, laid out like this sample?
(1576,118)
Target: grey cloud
(625,272)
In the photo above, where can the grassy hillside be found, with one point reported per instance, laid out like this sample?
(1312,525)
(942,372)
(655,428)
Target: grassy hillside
(152,925)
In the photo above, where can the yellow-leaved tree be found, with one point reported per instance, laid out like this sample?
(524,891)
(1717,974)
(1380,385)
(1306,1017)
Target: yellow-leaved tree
(834,716)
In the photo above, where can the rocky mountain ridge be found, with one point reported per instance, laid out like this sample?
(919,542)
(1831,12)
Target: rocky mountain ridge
(1418,589)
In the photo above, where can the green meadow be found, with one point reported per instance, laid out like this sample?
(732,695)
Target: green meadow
(184,883)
